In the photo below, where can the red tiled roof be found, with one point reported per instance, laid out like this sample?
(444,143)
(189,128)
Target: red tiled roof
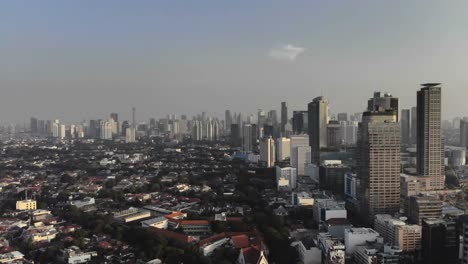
(194,222)
(240,241)
(169,234)
(212,239)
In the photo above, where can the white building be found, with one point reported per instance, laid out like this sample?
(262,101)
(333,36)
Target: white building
(287,173)
(283,148)
(300,152)
(106,129)
(267,151)
(358,236)
(159,222)
(130,135)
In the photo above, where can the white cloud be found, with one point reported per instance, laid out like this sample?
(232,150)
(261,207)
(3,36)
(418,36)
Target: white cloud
(287,53)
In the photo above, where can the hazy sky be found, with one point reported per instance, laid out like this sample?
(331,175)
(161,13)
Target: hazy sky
(84,59)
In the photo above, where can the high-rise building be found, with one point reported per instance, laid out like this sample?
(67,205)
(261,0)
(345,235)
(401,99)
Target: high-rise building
(106,129)
(33,126)
(115,117)
(333,134)
(332,176)
(430,150)
(197,130)
(228,120)
(134,117)
(300,122)
(283,148)
(284,115)
(247,138)
(267,151)
(464,133)
(440,241)
(423,207)
(378,160)
(384,101)
(414,124)
(235,136)
(300,153)
(405,126)
(318,121)
(342,117)
(130,135)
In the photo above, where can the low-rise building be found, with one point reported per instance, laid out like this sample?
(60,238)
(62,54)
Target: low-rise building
(359,236)
(25,205)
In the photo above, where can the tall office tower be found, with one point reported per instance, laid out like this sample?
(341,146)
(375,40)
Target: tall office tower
(300,122)
(384,101)
(405,126)
(34,126)
(284,116)
(106,129)
(115,117)
(342,117)
(94,129)
(197,130)
(62,131)
(56,129)
(333,134)
(133,117)
(414,124)
(125,125)
(464,133)
(235,136)
(48,128)
(300,152)
(130,135)
(318,121)
(440,241)
(240,122)
(378,163)
(152,123)
(267,151)
(430,150)
(41,128)
(72,131)
(456,122)
(247,138)
(228,120)
(261,117)
(283,148)
(272,118)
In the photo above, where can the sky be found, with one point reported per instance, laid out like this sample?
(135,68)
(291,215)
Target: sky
(74,60)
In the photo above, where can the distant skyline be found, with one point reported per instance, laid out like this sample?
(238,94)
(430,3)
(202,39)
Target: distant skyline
(77,60)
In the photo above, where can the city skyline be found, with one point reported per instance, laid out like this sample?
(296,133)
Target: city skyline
(55,65)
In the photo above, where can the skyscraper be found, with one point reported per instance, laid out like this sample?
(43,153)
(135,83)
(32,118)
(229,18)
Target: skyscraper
(414,124)
(342,116)
(247,138)
(405,126)
(300,122)
(114,117)
(34,126)
(464,133)
(133,117)
(284,115)
(384,101)
(378,160)
(300,152)
(318,121)
(228,120)
(430,150)
(267,151)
